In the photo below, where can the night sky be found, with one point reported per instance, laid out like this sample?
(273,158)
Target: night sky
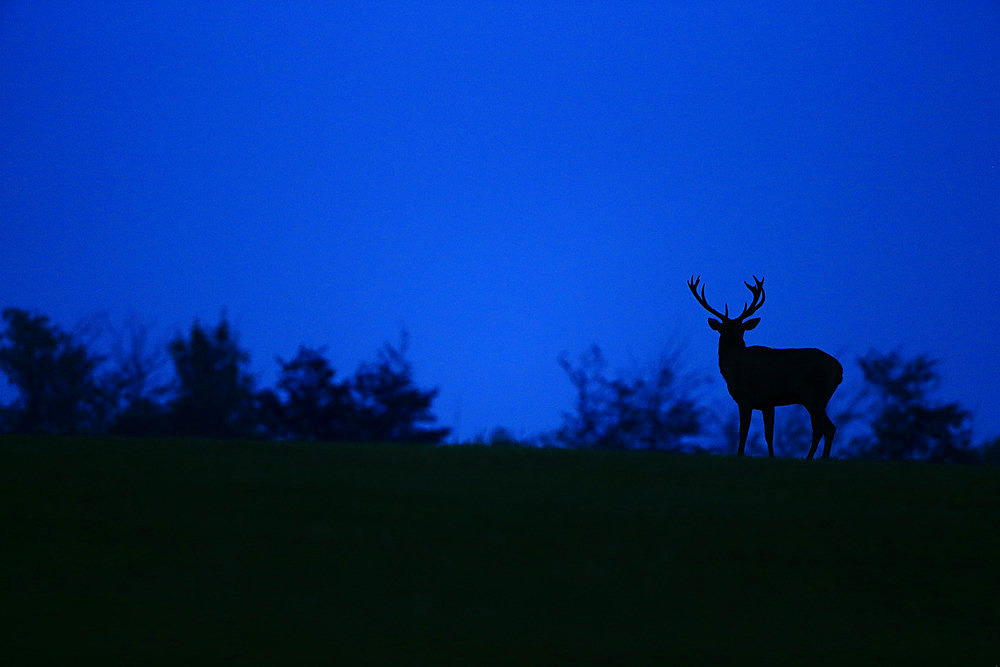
(511,181)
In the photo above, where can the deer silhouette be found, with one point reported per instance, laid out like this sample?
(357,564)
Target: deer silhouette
(761,378)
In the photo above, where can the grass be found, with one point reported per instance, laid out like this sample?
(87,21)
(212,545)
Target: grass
(140,551)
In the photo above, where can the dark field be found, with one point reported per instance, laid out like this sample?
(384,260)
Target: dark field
(192,551)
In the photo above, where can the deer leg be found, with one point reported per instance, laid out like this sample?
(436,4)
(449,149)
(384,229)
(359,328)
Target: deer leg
(817,427)
(769,429)
(828,434)
(744,427)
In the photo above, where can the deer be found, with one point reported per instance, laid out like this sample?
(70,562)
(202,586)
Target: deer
(762,378)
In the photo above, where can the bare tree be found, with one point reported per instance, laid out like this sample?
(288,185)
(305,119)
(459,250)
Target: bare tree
(137,378)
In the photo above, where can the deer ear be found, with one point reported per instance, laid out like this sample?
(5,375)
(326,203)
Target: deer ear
(751,323)
(715,324)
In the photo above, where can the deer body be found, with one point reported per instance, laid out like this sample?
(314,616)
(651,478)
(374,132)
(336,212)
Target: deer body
(762,378)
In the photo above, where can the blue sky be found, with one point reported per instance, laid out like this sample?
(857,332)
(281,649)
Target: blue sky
(512,181)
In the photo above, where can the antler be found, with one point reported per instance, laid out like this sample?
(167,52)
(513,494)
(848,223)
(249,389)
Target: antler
(758,293)
(693,284)
(753,307)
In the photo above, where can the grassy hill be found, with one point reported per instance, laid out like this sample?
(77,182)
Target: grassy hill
(142,550)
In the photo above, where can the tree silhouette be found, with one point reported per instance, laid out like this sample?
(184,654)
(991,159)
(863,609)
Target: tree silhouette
(214,395)
(54,375)
(389,406)
(315,407)
(587,425)
(908,424)
(646,412)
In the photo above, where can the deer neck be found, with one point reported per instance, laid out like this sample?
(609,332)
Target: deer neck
(730,356)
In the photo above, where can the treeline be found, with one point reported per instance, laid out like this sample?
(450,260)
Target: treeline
(198,384)
(895,416)
(65,388)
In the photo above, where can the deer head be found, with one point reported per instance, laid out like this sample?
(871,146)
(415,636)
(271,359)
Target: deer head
(731,328)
